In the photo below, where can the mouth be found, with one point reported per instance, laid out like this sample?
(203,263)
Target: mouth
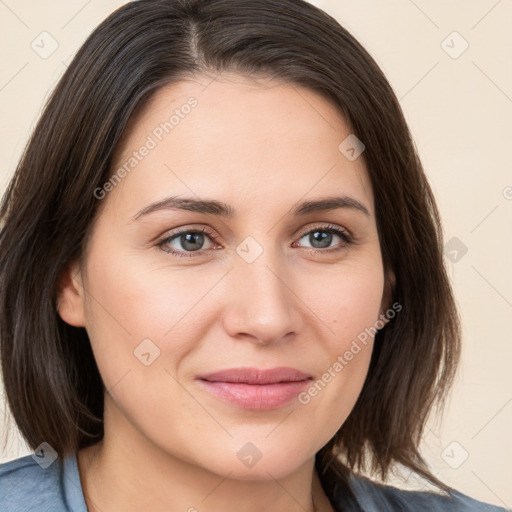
(252,388)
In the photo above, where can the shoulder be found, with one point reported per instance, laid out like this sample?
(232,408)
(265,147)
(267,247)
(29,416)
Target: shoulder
(373,496)
(27,485)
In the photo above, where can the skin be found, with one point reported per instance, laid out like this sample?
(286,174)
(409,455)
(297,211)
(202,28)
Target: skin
(262,147)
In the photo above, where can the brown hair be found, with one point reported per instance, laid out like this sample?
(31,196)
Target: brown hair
(52,383)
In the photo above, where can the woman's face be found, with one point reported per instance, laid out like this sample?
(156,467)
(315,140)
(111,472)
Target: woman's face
(268,286)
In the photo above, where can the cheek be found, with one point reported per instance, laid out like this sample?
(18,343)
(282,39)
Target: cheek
(134,309)
(347,299)
(349,306)
(148,298)
(134,300)
(130,310)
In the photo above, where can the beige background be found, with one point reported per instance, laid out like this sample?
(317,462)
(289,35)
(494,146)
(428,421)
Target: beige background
(459,108)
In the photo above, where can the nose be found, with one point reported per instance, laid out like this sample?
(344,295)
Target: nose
(261,305)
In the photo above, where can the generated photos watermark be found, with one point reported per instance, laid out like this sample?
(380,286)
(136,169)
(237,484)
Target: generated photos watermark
(157,135)
(343,360)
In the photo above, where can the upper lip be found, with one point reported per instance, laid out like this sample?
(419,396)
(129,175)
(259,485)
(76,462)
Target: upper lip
(256,375)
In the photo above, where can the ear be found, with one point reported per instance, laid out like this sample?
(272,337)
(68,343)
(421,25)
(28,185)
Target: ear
(70,295)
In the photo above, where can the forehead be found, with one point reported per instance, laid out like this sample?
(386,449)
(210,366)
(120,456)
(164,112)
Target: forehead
(235,137)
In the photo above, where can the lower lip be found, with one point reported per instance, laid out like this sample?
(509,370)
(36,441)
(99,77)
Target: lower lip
(255,396)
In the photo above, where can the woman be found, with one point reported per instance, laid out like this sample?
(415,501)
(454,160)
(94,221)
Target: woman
(222,275)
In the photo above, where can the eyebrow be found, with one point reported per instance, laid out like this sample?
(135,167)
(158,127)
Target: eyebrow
(218,208)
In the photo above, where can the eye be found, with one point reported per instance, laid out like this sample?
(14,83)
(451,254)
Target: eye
(321,238)
(188,241)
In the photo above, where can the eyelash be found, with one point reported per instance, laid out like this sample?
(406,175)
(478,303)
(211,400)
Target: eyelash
(330,228)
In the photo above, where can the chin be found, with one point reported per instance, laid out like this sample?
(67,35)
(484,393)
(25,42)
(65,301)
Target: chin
(262,472)
(247,462)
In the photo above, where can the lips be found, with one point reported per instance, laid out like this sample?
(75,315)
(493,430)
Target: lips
(252,388)
(256,376)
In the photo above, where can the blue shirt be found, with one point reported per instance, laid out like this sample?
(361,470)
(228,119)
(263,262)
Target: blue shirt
(26,487)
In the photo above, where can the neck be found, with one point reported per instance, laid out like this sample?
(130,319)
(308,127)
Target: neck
(128,472)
